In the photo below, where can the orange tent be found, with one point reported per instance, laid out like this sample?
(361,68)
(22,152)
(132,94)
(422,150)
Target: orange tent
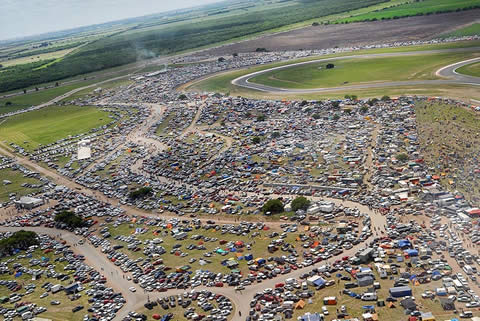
(300,304)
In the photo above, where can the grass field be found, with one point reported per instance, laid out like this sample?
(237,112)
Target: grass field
(449,136)
(472,30)
(259,248)
(415,8)
(472,70)
(17,179)
(359,70)
(54,312)
(50,124)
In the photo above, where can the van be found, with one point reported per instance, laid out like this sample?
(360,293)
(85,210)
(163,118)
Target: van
(369,297)
(304,286)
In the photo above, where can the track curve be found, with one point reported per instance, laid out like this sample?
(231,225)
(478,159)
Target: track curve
(448,72)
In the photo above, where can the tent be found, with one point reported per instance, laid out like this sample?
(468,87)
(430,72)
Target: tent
(300,304)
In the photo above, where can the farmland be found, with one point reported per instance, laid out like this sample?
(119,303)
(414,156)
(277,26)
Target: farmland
(471,30)
(352,71)
(49,124)
(170,38)
(415,8)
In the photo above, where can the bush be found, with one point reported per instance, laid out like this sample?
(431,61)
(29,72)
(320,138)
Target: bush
(20,240)
(261,50)
(182,97)
(316,116)
(221,59)
(275,134)
(330,66)
(402,157)
(273,206)
(315,24)
(140,193)
(261,118)
(385,98)
(70,219)
(300,203)
(256,140)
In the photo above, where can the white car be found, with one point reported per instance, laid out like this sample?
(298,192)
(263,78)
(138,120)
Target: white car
(324,310)
(132,289)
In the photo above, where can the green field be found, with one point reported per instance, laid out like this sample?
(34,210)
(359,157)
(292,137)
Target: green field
(359,70)
(472,70)
(50,124)
(472,30)
(415,8)
(17,179)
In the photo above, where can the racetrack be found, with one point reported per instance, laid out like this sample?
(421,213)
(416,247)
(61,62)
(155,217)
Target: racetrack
(448,72)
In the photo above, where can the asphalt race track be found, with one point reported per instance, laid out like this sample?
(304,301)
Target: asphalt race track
(448,72)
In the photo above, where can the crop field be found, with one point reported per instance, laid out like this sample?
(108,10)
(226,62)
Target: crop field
(472,30)
(35,58)
(17,179)
(359,70)
(49,124)
(472,70)
(415,8)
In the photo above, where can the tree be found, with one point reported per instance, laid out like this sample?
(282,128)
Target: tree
(1,66)
(385,98)
(140,193)
(24,91)
(364,109)
(235,55)
(8,103)
(57,84)
(354,97)
(330,66)
(336,117)
(300,203)
(274,206)
(20,240)
(372,101)
(316,116)
(275,134)
(347,111)
(315,24)
(261,118)
(335,104)
(221,59)
(303,103)
(182,97)
(70,219)
(347,96)
(256,140)
(261,50)
(402,157)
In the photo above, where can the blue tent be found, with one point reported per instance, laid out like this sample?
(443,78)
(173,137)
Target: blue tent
(404,244)
(18,274)
(368,307)
(436,272)
(319,282)
(249,257)
(412,252)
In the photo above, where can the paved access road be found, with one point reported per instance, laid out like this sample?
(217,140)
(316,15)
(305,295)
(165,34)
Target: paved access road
(447,72)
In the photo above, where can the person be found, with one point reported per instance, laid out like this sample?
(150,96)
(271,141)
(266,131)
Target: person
(240,313)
